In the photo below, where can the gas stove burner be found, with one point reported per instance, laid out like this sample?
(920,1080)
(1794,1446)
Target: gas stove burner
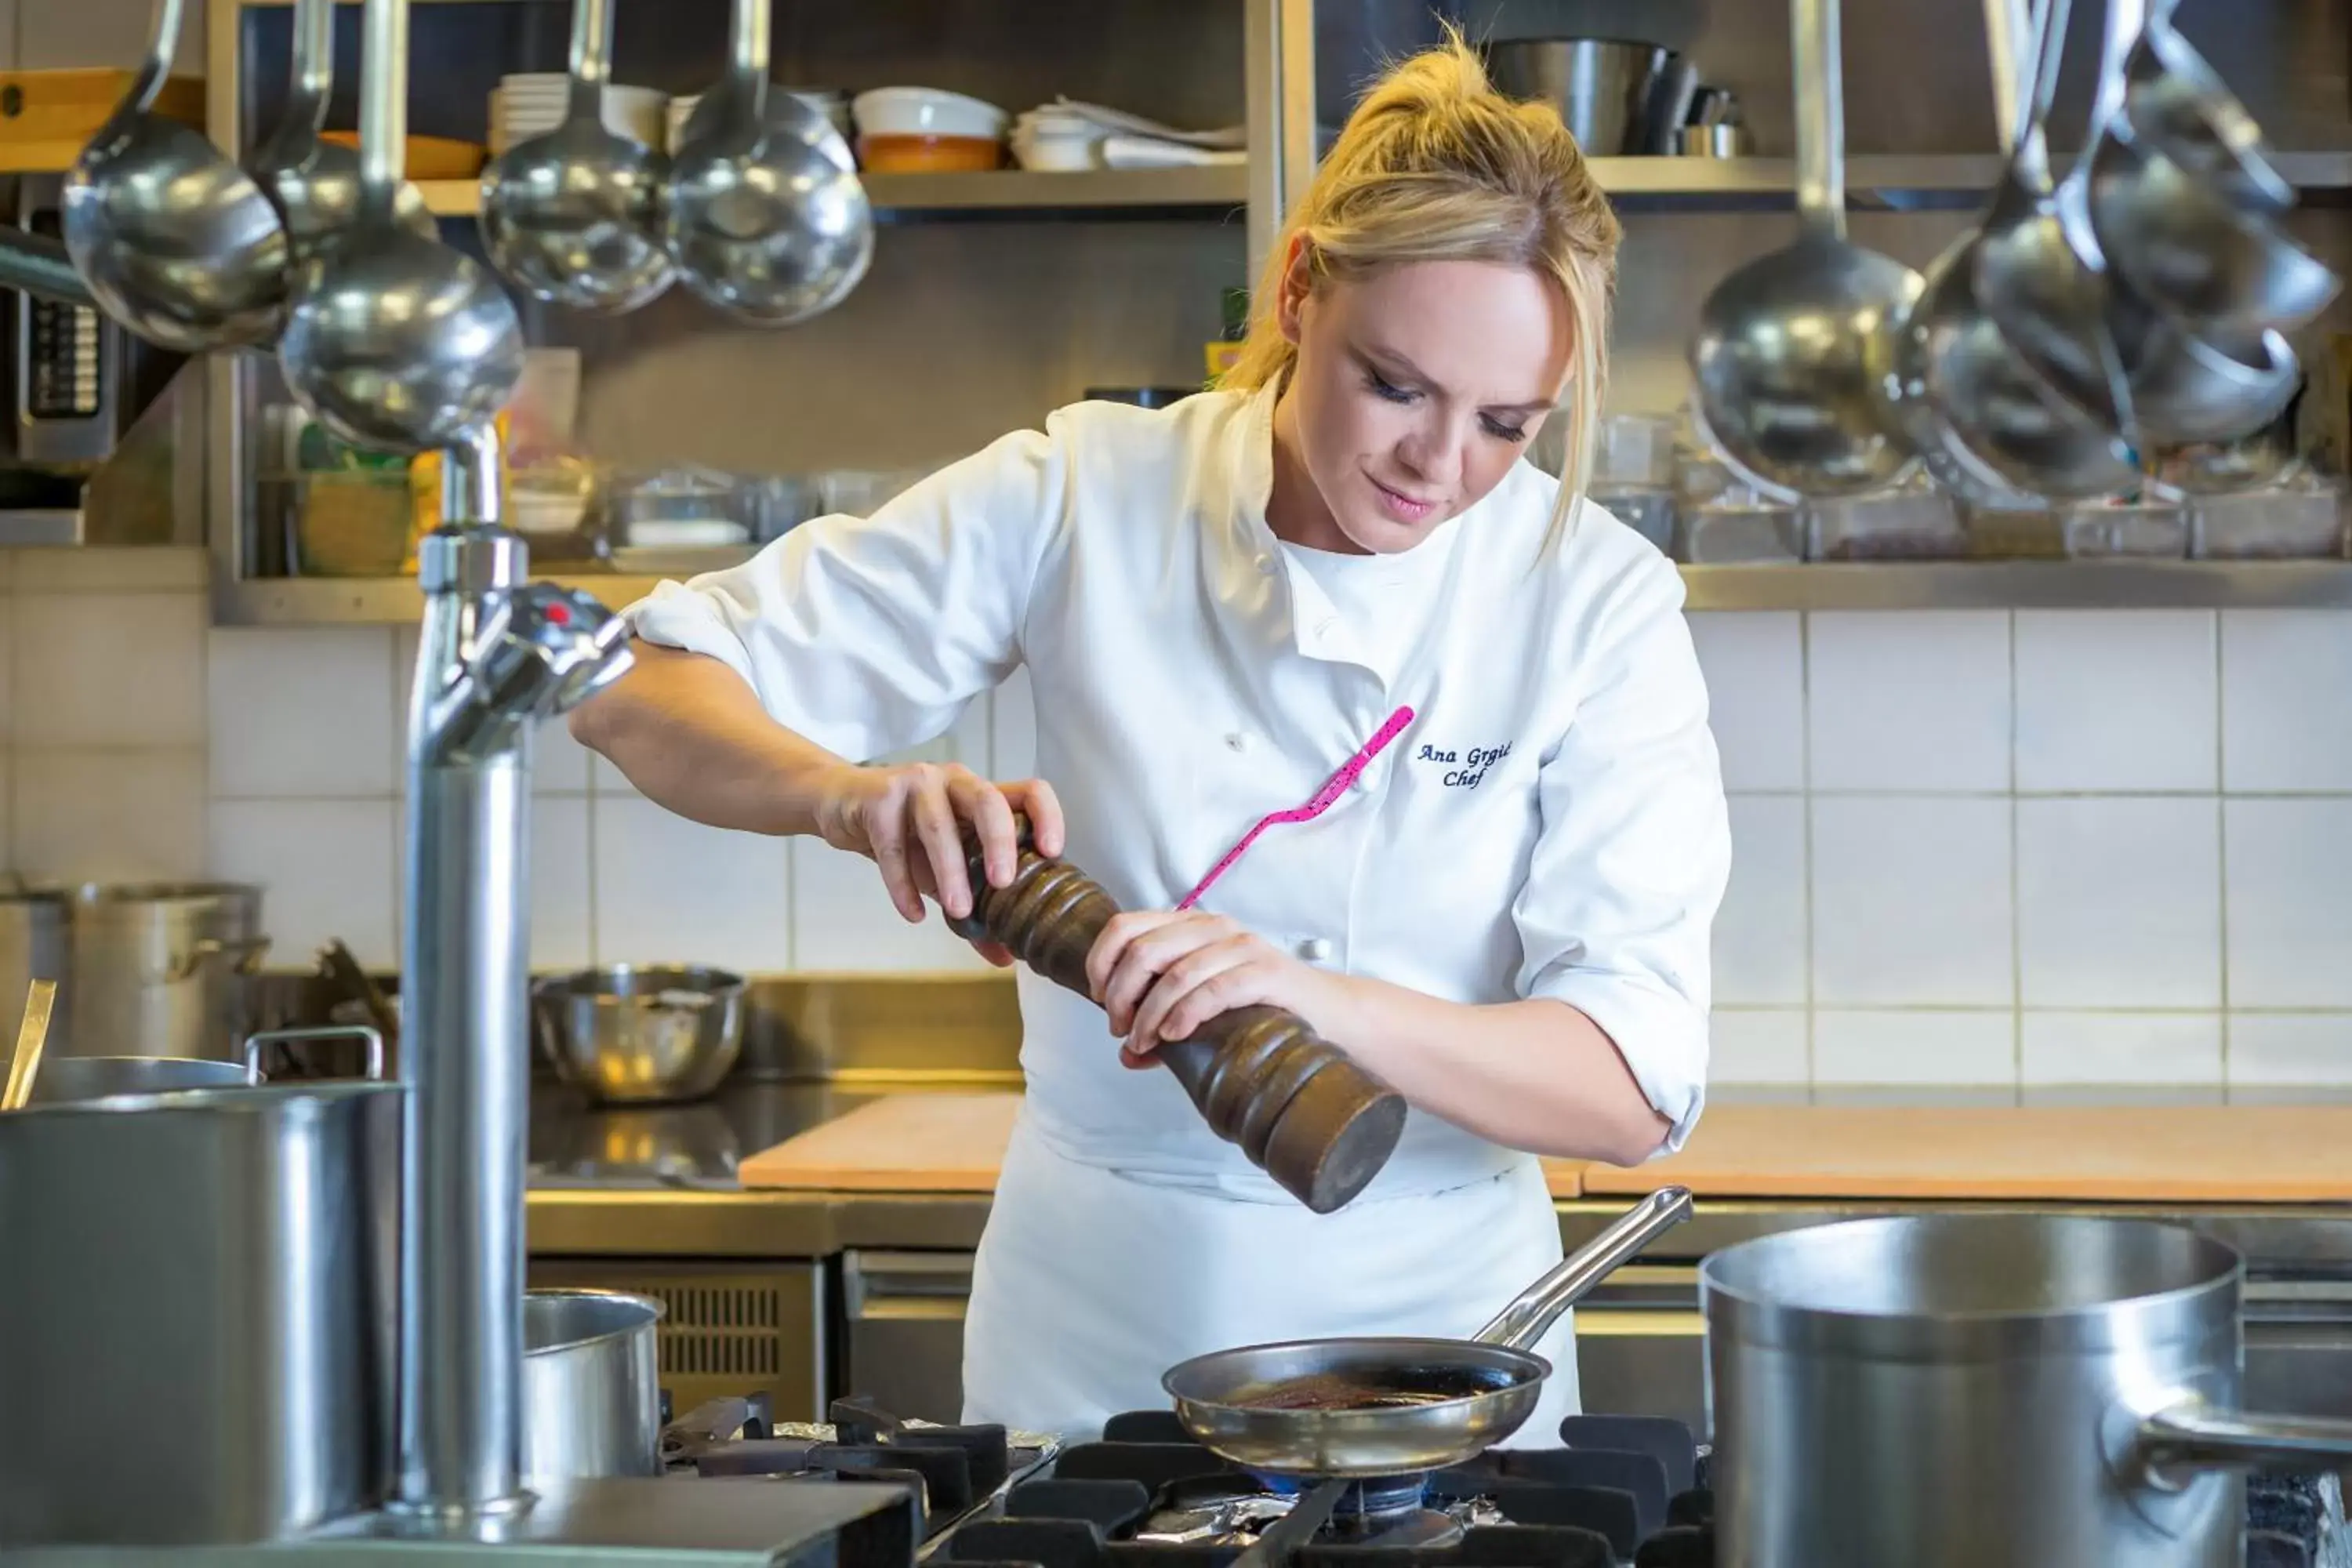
(1367,1502)
(1234,1510)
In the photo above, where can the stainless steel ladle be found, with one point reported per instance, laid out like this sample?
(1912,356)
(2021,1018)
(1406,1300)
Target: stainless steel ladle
(314,183)
(2040,276)
(175,241)
(766,217)
(2046,283)
(2182,244)
(2178,105)
(1784,356)
(397,341)
(574,216)
(1986,425)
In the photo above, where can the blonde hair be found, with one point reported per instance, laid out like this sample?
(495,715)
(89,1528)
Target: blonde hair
(1436,166)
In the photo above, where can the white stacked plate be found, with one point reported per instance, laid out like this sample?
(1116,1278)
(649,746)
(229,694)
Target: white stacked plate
(833,105)
(534,103)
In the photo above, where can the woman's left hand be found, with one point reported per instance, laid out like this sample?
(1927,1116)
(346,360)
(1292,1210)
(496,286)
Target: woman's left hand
(1163,974)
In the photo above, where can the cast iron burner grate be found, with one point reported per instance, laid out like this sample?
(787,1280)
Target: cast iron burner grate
(957,1472)
(1617,1491)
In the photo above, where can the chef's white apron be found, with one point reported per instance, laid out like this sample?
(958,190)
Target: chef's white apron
(1091,1281)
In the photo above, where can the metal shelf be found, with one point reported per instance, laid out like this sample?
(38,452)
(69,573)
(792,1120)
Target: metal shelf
(1014,191)
(2023,585)
(1188,191)
(1892,585)
(1945,173)
(373,601)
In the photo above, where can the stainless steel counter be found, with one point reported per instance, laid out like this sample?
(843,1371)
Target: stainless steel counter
(866,1291)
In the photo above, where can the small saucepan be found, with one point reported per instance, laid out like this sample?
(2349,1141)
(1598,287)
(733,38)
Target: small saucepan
(1337,1409)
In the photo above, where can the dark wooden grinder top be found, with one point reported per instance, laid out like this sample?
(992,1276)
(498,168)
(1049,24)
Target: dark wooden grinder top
(1300,1109)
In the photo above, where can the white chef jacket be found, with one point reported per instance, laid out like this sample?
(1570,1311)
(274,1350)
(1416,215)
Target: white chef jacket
(1550,823)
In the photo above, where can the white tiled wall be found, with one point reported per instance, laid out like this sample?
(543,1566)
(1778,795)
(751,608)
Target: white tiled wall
(138,741)
(2046,855)
(2039,856)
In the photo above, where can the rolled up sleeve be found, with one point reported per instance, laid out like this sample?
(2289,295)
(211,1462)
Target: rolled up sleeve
(1634,848)
(870,635)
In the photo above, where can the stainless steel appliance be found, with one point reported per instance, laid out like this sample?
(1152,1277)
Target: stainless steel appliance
(1987,1388)
(905,1314)
(77,380)
(754,1329)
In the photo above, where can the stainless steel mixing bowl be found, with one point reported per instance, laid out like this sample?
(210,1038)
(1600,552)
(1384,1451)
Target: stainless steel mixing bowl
(631,1036)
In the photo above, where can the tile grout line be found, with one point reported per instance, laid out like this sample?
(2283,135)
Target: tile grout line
(2222,838)
(2016,889)
(1805,772)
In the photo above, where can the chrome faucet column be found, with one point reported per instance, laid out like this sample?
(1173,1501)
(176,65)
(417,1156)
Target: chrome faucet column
(496,657)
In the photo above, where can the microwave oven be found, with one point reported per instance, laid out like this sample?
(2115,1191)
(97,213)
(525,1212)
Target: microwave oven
(77,381)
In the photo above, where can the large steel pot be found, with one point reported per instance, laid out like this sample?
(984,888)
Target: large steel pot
(162,970)
(197,1311)
(1600,86)
(63,1078)
(1949,1391)
(66,1079)
(591,1385)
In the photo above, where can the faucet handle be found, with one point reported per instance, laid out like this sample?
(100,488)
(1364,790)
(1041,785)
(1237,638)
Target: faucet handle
(556,646)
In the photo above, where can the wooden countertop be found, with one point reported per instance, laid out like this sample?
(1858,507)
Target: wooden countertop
(2204,1153)
(928,1143)
(955,1143)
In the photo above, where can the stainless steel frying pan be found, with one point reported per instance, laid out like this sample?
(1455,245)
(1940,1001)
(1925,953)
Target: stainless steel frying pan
(1358,1407)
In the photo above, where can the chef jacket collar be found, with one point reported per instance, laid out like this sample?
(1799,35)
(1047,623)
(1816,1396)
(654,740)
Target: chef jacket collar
(1303,616)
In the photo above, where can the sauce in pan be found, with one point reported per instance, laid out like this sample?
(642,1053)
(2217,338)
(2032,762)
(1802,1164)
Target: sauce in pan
(1404,1389)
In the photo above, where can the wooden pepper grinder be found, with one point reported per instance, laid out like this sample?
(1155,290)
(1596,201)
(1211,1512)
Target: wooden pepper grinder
(1302,1110)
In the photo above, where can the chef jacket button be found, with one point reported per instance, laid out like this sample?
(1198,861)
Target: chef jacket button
(1315,950)
(1266,564)
(1237,741)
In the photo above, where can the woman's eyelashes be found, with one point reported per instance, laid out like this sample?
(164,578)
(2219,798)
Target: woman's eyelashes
(1389,391)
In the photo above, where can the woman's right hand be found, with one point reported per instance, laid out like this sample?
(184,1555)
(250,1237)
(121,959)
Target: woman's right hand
(908,819)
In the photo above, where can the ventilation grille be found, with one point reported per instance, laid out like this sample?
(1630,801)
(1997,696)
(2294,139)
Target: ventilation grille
(720,1329)
(721,1333)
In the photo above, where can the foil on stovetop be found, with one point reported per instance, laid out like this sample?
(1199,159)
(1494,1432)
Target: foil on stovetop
(825,1432)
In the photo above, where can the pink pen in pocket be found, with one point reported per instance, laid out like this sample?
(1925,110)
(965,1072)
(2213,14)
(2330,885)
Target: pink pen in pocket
(1319,803)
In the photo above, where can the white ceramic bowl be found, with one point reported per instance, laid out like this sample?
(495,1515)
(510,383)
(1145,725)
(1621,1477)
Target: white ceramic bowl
(1055,153)
(926,111)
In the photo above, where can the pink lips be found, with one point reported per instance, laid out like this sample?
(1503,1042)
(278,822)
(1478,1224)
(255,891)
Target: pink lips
(1403,508)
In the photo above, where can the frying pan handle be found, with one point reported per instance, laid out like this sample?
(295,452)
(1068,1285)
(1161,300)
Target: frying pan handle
(1531,1315)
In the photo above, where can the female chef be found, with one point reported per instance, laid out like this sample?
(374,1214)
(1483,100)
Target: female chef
(1332,582)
